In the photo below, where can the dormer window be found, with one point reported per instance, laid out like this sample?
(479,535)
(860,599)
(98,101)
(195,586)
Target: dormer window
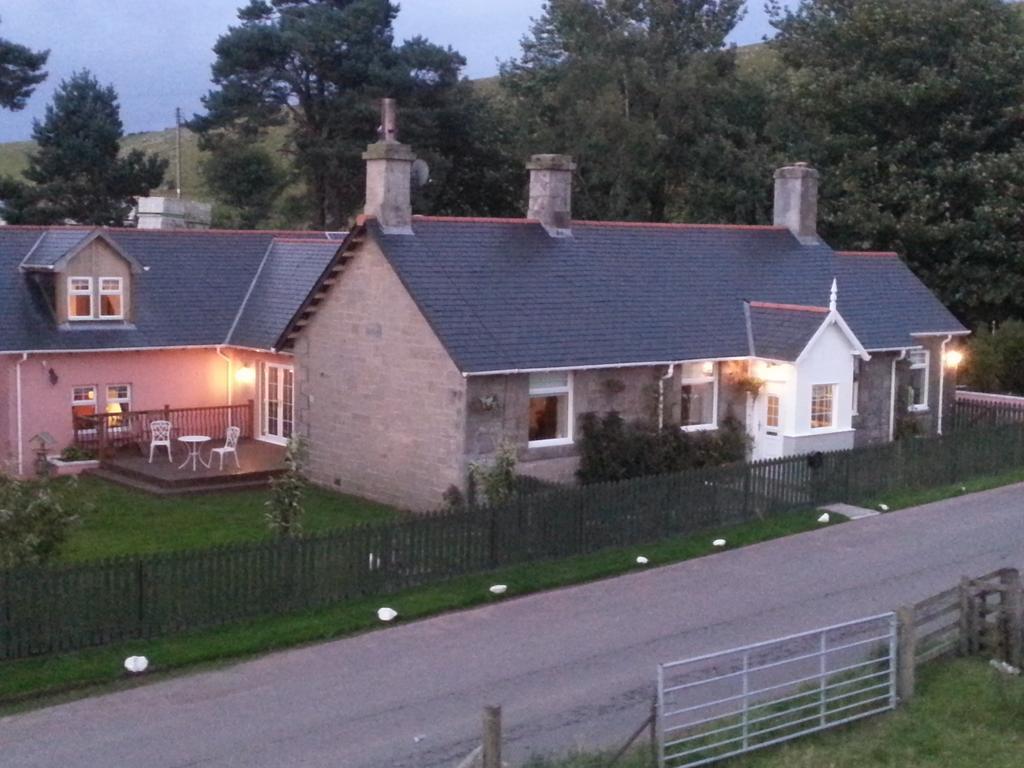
(111,298)
(80,298)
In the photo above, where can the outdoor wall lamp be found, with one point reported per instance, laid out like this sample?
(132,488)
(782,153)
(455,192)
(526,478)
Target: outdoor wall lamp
(246,374)
(954,357)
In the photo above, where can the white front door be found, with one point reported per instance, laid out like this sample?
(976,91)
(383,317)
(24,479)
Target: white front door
(768,410)
(277,384)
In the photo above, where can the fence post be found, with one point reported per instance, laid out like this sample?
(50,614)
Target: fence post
(252,418)
(492,738)
(1013,615)
(966,617)
(906,651)
(654,731)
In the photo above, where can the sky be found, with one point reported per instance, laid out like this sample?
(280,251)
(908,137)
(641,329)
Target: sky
(157,53)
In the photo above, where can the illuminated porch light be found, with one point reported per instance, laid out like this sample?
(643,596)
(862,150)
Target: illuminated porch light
(954,357)
(707,368)
(245,375)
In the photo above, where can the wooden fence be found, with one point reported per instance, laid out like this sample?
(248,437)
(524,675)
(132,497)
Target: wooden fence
(974,409)
(63,608)
(105,431)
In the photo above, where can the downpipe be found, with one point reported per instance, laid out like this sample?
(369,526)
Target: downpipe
(21,426)
(661,395)
(942,382)
(220,353)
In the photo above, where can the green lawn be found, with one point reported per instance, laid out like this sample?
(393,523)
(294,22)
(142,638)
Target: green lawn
(121,521)
(964,715)
(913,497)
(30,679)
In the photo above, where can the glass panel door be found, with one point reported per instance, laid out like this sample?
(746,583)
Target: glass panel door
(278,385)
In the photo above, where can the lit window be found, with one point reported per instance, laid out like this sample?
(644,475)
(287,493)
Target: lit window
(823,398)
(699,405)
(119,401)
(111,298)
(772,415)
(918,389)
(83,408)
(80,298)
(549,408)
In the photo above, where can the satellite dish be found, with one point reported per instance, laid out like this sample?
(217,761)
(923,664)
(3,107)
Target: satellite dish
(420,173)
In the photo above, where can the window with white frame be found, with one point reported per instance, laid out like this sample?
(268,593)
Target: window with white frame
(83,408)
(823,406)
(119,402)
(79,298)
(773,412)
(917,390)
(111,298)
(699,401)
(550,408)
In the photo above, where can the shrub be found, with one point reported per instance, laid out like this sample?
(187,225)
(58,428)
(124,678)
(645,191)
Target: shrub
(74,453)
(284,507)
(34,521)
(995,360)
(611,449)
(497,479)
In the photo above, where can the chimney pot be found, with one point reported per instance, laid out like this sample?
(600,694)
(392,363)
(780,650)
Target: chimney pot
(551,193)
(796,201)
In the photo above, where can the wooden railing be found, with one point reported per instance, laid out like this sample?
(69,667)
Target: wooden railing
(105,432)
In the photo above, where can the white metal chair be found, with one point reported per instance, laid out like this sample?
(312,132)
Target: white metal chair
(159,437)
(230,446)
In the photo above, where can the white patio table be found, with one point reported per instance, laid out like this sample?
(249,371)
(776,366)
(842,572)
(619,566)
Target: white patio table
(194,442)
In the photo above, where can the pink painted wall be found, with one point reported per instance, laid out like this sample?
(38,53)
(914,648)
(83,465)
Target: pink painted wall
(179,378)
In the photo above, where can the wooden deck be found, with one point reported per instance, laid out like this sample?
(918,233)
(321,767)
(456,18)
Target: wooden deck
(259,463)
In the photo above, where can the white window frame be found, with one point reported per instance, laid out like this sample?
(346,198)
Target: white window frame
(74,292)
(94,402)
(566,390)
(833,397)
(107,400)
(704,378)
(922,363)
(104,292)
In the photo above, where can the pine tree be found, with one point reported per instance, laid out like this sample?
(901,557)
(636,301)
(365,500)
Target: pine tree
(21,70)
(77,173)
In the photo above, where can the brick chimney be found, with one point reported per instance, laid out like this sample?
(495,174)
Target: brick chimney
(796,201)
(551,193)
(389,176)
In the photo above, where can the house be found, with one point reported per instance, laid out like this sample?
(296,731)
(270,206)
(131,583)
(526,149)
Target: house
(414,345)
(429,341)
(102,325)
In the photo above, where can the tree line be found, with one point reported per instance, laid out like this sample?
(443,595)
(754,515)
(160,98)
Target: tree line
(913,111)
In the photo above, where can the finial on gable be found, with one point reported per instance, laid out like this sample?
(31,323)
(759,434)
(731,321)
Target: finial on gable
(833,296)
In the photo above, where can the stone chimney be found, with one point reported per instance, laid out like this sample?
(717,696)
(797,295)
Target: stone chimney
(551,193)
(389,176)
(796,201)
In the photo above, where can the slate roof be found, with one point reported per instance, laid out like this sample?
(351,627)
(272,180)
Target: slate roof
(502,295)
(191,291)
(51,245)
(782,331)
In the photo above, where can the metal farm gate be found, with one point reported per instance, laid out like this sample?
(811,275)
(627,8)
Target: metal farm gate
(725,704)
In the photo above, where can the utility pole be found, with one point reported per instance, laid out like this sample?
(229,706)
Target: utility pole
(177,152)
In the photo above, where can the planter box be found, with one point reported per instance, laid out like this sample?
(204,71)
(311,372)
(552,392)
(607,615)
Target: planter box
(63,468)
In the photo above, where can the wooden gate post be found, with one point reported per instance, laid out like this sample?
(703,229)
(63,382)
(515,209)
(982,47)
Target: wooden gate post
(492,738)
(1013,616)
(906,651)
(966,618)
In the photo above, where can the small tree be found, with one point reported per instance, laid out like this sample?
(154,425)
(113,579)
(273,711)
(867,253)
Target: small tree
(21,70)
(284,507)
(34,522)
(995,359)
(497,479)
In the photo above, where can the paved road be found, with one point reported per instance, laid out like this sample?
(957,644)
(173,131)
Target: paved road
(571,667)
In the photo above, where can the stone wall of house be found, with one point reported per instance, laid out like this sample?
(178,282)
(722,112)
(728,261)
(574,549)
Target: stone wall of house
(875,400)
(497,409)
(379,399)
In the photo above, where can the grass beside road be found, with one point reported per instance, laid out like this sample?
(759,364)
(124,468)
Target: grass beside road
(122,521)
(964,715)
(909,497)
(31,679)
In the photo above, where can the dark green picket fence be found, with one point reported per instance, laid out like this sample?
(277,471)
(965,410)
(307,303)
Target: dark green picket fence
(980,413)
(56,609)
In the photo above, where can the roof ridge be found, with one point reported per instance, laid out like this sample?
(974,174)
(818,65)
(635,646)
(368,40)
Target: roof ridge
(870,254)
(598,223)
(300,234)
(789,307)
(474,219)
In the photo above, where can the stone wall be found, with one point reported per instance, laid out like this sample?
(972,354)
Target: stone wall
(379,399)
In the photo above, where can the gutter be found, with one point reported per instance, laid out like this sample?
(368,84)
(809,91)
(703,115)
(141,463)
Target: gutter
(661,394)
(220,353)
(942,381)
(892,396)
(21,429)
